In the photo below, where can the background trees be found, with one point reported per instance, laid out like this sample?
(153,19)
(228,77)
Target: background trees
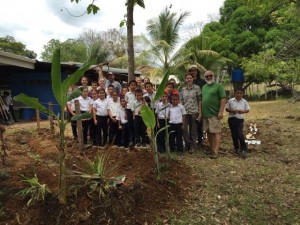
(9,44)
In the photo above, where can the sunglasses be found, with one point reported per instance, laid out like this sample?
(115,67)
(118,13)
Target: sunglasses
(207,76)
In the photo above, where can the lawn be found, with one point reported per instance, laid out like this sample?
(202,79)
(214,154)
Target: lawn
(262,189)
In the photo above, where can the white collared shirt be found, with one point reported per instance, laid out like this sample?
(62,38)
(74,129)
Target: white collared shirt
(121,116)
(162,110)
(234,104)
(114,107)
(176,113)
(85,104)
(136,107)
(130,98)
(72,104)
(101,107)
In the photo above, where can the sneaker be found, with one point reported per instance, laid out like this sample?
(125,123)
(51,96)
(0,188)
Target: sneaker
(192,150)
(87,146)
(131,145)
(207,152)
(138,145)
(214,156)
(243,154)
(236,151)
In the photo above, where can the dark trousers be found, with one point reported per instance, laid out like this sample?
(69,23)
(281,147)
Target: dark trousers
(175,137)
(200,132)
(93,131)
(161,147)
(124,135)
(85,130)
(101,133)
(114,134)
(130,124)
(140,130)
(236,128)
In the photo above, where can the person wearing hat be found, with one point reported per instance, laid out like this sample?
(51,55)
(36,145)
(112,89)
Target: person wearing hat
(194,71)
(110,79)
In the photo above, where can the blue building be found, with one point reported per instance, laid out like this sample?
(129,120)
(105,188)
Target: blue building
(20,74)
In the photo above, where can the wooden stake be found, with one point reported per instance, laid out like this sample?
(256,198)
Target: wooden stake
(50,108)
(37,116)
(79,125)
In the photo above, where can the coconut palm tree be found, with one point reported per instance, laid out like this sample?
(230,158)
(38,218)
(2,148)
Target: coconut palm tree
(197,51)
(163,33)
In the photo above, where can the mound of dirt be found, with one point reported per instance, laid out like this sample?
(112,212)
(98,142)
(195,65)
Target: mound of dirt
(142,199)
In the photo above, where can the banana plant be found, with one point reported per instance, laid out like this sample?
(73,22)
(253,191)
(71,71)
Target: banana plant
(60,89)
(149,119)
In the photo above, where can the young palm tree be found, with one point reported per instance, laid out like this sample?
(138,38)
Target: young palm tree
(163,37)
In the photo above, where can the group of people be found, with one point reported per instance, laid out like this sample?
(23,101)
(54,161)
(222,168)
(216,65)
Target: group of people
(197,108)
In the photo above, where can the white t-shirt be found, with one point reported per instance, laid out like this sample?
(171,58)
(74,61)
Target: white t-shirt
(234,104)
(176,113)
(101,107)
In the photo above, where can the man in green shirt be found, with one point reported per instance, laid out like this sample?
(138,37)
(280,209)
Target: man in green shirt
(213,104)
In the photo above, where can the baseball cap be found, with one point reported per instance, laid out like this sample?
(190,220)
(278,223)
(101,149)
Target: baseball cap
(193,67)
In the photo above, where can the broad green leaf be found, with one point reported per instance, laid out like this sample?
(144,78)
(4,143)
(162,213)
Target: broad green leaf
(83,116)
(148,116)
(31,102)
(74,94)
(162,86)
(56,77)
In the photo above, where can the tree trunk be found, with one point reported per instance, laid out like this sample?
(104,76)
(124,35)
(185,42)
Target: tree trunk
(130,49)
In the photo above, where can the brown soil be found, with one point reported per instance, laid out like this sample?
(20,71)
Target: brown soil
(142,199)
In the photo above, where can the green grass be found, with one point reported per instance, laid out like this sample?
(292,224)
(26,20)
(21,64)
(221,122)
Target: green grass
(263,189)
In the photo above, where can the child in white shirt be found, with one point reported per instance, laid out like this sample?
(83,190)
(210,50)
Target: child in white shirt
(177,119)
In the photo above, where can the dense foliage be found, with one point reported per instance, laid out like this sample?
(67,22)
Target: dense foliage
(9,44)
(261,36)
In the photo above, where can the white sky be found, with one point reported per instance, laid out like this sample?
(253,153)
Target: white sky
(35,22)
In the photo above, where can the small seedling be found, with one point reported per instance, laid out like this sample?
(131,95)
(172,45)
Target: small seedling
(97,176)
(35,190)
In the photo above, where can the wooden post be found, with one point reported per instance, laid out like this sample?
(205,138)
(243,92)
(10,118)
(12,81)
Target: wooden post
(50,108)
(37,116)
(79,125)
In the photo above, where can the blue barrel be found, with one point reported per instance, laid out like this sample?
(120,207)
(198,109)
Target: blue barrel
(237,76)
(28,114)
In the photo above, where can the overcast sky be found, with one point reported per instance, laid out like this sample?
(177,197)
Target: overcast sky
(35,22)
